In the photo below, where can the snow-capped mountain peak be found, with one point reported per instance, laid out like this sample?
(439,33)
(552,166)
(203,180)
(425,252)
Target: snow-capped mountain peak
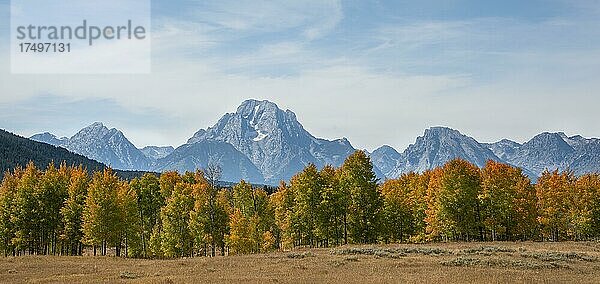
(274,140)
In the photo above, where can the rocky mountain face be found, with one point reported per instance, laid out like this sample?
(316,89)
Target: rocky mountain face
(273,140)
(385,158)
(546,151)
(189,157)
(49,138)
(436,147)
(157,152)
(97,142)
(504,148)
(550,151)
(259,142)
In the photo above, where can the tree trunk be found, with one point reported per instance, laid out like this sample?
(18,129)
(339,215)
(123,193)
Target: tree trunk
(345,229)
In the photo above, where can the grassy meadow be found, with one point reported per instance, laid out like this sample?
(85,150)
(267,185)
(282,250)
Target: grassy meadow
(501,262)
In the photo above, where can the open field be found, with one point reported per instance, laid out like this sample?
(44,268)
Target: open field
(528,262)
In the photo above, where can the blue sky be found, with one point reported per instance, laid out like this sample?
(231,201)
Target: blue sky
(376,72)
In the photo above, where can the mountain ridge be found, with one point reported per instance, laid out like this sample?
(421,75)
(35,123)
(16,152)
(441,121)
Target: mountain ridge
(274,140)
(98,142)
(265,144)
(19,151)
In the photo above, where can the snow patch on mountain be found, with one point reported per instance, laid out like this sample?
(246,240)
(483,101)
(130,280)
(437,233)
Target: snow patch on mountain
(260,136)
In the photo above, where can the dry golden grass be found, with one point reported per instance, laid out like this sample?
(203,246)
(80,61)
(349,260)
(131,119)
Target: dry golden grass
(527,262)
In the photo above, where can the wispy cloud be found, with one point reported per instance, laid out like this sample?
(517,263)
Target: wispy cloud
(415,35)
(312,17)
(174,36)
(257,37)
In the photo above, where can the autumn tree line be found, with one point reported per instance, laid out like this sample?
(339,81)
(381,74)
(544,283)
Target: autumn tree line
(63,210)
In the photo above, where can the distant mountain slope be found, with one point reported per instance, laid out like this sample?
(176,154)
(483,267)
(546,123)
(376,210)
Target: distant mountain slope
(544,151)
(274,140)
(439,145)
(504,148)
(157,152)
(49,138)
(99,143)
(199,155)
(18,151)
(385,158)
(550,151)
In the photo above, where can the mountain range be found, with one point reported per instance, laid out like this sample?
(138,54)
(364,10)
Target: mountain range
(262,143)
(17,151)
(97,142)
